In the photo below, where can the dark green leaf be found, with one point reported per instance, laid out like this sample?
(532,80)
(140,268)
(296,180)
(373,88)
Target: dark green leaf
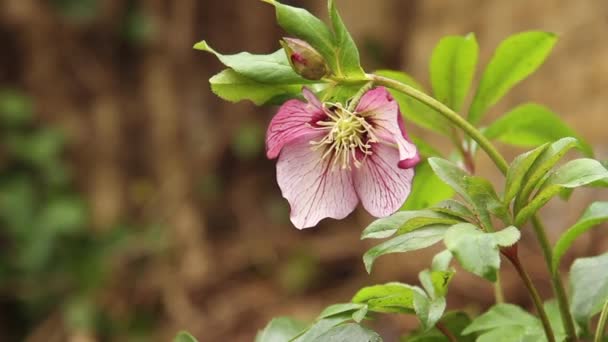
(346,50)
(302,24)
(514,59)
(455,322)
(478,251)
(518,170)
(234,87)
(414,110)
(545,162)
(272,69)
(390,297)
(428,311)
(421,195)
(403,222)
(589,285)
(475,190)
(320,327)
(595,214)
(357,310)
(184,336)
(531,125)
(280,329)
(452,69)
(350,332)
(573,174)
(455,208)
(417,239)
(506,323)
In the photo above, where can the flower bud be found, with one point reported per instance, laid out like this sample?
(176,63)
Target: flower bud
(304,59)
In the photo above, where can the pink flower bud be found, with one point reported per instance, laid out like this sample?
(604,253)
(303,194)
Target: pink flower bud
(304,59)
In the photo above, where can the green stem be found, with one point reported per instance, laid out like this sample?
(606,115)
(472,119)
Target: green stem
(502,165)
(556,280)
(354,101)
(535,297)
(446,332)
(449,114)
(601,324)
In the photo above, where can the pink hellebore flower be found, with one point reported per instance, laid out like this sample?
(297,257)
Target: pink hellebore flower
(330,158)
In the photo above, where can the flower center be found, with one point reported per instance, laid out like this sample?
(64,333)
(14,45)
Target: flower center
(348,136)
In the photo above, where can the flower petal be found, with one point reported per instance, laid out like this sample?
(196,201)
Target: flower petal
(291,122)
(383,111)
(381,185)
(312,186)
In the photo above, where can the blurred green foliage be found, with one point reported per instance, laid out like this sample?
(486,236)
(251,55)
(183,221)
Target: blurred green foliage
(50,260)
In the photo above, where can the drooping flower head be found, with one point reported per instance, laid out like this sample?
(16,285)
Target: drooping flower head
(331,158)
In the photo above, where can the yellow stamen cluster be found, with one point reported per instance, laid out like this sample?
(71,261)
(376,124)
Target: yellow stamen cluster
(347,133)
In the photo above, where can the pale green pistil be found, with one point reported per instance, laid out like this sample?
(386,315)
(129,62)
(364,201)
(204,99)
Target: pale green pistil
(347,133)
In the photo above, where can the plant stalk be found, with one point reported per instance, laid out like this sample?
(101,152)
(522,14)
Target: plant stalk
(503,166)
(601,324)
(535,297)
(556,280)
(449,114)
(447,333)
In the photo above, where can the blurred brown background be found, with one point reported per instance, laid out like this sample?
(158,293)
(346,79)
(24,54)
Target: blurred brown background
(176,179)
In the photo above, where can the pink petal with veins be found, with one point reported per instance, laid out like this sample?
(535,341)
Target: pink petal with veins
(383,111)
(291,122)
(380,184)
(314,191)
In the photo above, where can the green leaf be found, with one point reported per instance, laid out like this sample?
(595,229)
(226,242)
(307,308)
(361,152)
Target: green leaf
(184,336)
(40,148)
(421,196)
(518,170)
(350,332)
(589,286)
(506,322)
(414,110)
(435,283)
(478,251)
(425,149)
(475,190)
(346,51)
(441,261)
(573,174)
(272,69)
(302,24)
(428,311)
(455,322)
(417,239)
(234,87)
(516,58)
(389,297)
(531,125)
(452,69)
(541,166)
(455,208)
(15,108)
(595,214)
(555,319)
(320,327)
(358,311)
(280,329)
(403,222)
(63,215)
